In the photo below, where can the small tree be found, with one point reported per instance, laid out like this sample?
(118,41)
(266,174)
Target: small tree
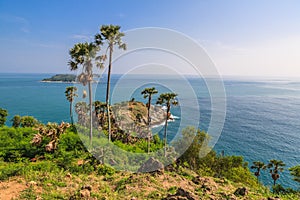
(148,92)
(258,166)
(191,145)
(28,121)
(275,166)
(167,99)
(16,121)
(70,94)
(3,115)
(295,171)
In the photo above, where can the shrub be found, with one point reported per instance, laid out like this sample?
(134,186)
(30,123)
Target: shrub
(28,121)
(16,121)
(105,170)
(3,115)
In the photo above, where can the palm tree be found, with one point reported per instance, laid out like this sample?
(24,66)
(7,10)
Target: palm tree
(84,54)
(277,166)
(70,94)
(167,99)
(258,166)
(148,92)
(112,35)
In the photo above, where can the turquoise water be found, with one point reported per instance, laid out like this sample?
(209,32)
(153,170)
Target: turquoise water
(262,116)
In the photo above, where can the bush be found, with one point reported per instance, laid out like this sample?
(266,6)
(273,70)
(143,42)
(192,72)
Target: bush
(3,115)
(28,121)
(105,170)
(15,144)
(16,121)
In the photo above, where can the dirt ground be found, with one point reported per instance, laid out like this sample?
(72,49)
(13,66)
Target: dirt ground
(11,189)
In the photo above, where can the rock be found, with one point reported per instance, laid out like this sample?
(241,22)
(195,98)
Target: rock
(85,193)
(80,162)
(273,198)
(32,183)
(38,198)
(68,175)
(241,191)
(87,187)
(181,194)
(152,165)
(197,180)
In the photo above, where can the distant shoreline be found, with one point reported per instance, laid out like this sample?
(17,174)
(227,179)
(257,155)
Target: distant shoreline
(58,82)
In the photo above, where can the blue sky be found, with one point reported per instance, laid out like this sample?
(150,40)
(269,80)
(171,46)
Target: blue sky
(249,37)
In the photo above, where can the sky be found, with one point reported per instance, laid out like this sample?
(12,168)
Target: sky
(242,38)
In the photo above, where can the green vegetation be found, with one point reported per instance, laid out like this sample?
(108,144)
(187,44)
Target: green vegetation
(3,115)
(62,77)
(16,121)
(28,121)
(64,171)
(295,171)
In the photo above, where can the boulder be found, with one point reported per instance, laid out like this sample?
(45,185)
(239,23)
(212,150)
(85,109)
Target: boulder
(273,198)
(241,191)
(152,165)
(87,187)
(181,194)
(85,194)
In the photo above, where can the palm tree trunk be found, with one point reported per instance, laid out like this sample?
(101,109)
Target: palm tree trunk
(91,111)
(108,93)
(165,134)
(149,124)
(71,113)
(274,182)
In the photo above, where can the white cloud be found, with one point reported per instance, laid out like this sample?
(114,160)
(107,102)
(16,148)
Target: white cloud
(81,37)
(20,21)
(274,57)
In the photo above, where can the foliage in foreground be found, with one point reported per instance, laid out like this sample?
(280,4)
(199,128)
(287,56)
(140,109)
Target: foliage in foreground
(20,158)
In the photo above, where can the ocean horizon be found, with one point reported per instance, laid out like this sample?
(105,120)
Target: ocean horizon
(262,114)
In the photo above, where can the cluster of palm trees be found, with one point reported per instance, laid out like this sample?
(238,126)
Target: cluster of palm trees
(275,167)
(167,99)
(98,112)
(86,55)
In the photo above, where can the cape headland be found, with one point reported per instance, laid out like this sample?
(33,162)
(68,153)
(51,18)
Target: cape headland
(61,78)
(131,113)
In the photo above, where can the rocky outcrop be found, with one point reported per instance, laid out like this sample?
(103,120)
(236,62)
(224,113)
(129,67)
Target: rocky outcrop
(181,194)
(241,191)
(152,165)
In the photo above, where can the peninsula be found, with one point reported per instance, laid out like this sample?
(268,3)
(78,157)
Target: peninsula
(61,78)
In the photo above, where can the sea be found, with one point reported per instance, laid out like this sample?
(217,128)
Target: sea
(257,118)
